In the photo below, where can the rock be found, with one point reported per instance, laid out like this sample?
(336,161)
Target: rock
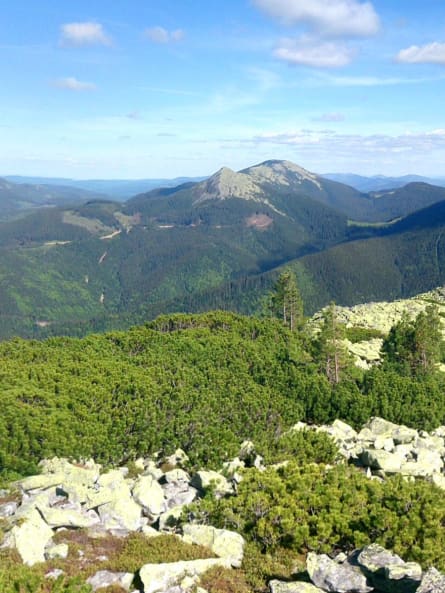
(148,493)
(169,520)
(158,578)
(65,516)
(41,481)
(432,582)
(175,476)
(56,551)
(339,578)
(388,572)
(205,480)
(179,457)
(178,494)
(223,543)
(105,578)
(30,538)
(378,459)
(121,513)
(296,587)
(7,509)
(54,574)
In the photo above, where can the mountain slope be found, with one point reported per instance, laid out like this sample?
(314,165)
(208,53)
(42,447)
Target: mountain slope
(18,197)
(216,243)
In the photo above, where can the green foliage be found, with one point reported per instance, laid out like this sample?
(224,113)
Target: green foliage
(286,302)
(303,446)
(415,347)
(310,507)
(329,349)
(224,580)
(139,549)
(362,334)
(16,577)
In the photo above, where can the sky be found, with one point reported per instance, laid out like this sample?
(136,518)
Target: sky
(161,89)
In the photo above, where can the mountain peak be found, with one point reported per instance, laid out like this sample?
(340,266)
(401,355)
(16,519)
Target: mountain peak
(280,172)
(226,183)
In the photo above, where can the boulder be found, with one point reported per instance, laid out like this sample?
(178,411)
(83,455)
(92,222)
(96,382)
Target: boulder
(379,459)
(30,538)
(211,480)
(148,493)
(388,572)
(158,578)
(7,509)
(54,551)
(432,582)
(66,516)
(337,578)
(41,481)
(223,543)
(121,513)
(296,587)
(105,578)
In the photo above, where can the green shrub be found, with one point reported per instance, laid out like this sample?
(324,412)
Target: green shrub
(305,508)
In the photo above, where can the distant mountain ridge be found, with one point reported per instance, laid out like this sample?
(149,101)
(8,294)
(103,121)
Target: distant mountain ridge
(217,243)
(18,197)
(381,182)
(118,189)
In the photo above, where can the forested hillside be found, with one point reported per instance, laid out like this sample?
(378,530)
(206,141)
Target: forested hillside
(216,244)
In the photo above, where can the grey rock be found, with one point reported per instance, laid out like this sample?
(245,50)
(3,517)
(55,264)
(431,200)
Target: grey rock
(336,578)
(388,572)
(30,538)
(56,551)
(379,459)
(148,493)
(296,587)
(105,578)
(158,578)
(223,543)
(432,582)
(7,509)
(204,480)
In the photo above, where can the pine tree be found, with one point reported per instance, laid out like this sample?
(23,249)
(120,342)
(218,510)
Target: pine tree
(286,300)
(414,346)
(330,348)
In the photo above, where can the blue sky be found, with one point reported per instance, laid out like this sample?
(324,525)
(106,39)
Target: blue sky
(100,89)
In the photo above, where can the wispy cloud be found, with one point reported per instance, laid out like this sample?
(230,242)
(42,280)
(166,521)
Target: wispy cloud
(161,35)
(135,115)
(348,18)
(71,83)
(432,53)
(82,34)
(329,142)
(330,117)
(327,79)
(307,51)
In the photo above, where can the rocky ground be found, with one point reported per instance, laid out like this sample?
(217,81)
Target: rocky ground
(79,519)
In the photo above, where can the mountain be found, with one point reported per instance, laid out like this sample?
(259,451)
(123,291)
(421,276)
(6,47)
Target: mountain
(217,243)
(381,182)
(15,198)
(118,189)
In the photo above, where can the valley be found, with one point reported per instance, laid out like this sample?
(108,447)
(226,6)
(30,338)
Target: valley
(192,248)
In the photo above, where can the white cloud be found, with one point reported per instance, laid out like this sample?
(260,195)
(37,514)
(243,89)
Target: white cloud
(161,35)
(72,84)
(432,53)
(80,34)
(310,52)
(330,17)
(328,142)
(330,117)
